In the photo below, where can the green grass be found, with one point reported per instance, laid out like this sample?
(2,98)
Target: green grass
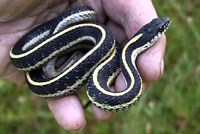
(171,105)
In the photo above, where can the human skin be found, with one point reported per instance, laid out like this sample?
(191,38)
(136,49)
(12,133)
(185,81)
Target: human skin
(122,17)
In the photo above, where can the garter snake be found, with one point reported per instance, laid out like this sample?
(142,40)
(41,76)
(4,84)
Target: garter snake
(100,61)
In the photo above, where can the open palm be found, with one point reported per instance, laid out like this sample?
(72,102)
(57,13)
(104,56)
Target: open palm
(122,17)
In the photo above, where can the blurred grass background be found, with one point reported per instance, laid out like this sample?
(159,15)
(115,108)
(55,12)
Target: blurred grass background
(171,105)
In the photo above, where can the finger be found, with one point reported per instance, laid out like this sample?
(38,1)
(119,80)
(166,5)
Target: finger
(132,15)
(144,12)
(117,31)
(120,84)
(68,112)
(153,68)
(100,114)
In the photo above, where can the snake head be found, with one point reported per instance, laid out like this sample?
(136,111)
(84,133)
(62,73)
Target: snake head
(152,31)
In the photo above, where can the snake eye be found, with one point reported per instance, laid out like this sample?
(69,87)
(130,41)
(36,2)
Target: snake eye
(164,25)
(162,28)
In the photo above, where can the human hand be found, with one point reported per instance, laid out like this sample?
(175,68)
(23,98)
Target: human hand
(123,18)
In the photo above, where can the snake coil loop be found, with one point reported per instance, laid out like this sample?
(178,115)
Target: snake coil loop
(90,52)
